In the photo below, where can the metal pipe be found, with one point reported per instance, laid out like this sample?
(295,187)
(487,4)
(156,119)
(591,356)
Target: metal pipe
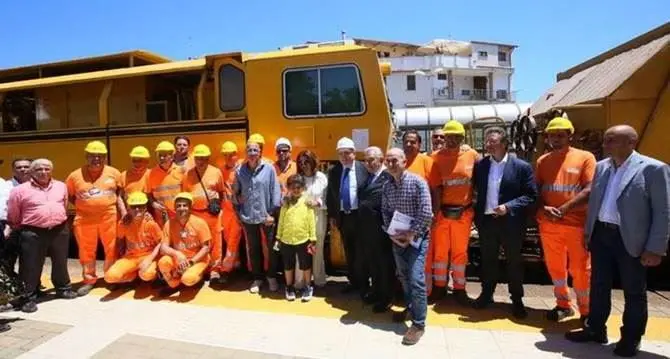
(199,94)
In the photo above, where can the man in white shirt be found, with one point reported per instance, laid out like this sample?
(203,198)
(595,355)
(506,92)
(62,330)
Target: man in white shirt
(9,243)
(345,181)
(505,188)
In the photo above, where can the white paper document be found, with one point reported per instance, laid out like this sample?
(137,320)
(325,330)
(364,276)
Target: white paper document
(401,222)
(361,138)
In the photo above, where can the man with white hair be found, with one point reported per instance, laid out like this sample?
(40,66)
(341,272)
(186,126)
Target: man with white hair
(377,255)
(37,211)
(345,181)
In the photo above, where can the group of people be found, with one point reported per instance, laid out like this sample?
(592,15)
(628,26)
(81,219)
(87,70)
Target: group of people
(401,214)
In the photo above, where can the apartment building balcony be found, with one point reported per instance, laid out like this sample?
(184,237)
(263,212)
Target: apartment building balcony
(413,63)
(477,95)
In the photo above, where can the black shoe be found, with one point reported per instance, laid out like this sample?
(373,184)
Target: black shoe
(369,299)
(349,289)
(482,302)
(381,308)
(66,294)
(166,292)
(557,314)
(4,327)
(29,307)
(585,336)
(401,317)
(219,280)
(626,348)
(584,319)
(519,310)
(462,297)
(438,293)
(84,289)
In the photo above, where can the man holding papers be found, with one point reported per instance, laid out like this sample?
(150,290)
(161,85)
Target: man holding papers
(407,215)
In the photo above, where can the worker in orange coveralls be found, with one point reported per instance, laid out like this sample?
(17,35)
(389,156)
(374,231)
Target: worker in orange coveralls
(564,178)
(94,189)
(451,184)
(232,228)
(205,184)
(135,179)
(186,240)
(164,183)
(142,239)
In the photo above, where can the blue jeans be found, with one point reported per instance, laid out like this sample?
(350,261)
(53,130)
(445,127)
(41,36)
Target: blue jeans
(410,263)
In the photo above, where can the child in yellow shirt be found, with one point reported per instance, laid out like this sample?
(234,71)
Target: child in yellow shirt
(296,232)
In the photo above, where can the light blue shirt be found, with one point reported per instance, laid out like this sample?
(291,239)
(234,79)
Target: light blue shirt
(609,212)
(257,192)
(353,187)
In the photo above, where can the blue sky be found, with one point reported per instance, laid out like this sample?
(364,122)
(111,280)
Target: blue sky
(552,35)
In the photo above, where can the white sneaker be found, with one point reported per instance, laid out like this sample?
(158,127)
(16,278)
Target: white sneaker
(255,286)
(307,293)
(274,286)
(290,294)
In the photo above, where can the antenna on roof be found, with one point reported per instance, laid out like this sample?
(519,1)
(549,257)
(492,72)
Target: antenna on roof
(343,34)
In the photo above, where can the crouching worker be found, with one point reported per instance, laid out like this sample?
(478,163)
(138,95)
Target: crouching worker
(186,244)
(297,233)
(142,237)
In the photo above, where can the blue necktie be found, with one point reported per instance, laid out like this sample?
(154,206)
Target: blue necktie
(344,191)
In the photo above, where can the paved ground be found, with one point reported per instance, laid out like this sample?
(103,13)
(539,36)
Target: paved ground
(231,323)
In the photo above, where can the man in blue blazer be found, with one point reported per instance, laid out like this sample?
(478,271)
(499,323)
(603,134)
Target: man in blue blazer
(627,228)
(505,189)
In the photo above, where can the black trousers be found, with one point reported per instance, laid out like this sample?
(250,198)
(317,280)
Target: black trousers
(608,255)
(259,256)
(378,259)
(36,244)
(492,233)
(357,272)
(9,248)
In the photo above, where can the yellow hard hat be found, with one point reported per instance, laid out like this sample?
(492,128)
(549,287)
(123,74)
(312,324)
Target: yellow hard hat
(560,124)
(165,146)
(201,151)
(184,195)
(137,199)
(140,152)
(454,127)
(257,138)
(228,147)
(96,147)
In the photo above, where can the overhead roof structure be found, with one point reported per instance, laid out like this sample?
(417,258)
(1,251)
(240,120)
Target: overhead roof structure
(600,76)
(438,116)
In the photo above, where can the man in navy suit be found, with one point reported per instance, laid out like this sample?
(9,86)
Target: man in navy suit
(345,181)
(505,188)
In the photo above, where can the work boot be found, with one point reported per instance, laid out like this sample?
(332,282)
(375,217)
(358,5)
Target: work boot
(627,348)
(167,291)
(519,310)
(438,293)
(586,335)
(557,314)
(84,289)
(272,283)
(482,302)
(217,279)
(462,297)
(67,294)
(401,317)
(413,335)
(369,299)
(29,307)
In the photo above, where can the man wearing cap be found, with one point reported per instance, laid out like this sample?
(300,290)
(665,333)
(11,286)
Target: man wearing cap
(284,166)
(164,183)
(186,242)
(451,184)
(232,228)
(135,178)
(564,180)
(95,191)
(346,179)
(258,139)
(257,195)
(142,237)
(205,184)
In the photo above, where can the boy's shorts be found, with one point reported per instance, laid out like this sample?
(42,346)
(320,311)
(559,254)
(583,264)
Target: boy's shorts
(288,253)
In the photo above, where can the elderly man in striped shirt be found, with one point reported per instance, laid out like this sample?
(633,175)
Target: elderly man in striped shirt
(408,196)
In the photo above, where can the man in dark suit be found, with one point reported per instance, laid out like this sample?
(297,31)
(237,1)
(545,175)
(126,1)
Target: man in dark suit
(377,253)
(627,229)
(505,188)
(345,180)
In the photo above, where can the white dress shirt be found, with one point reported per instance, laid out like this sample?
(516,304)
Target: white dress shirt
(376,174)
(493,187)
(353,187)
(609,212)
(5,187)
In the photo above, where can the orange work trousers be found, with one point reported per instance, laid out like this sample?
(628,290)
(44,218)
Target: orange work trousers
(214,224)
(87,232)
(127,269)
(232,233)
(450,239)
(565,250)
(192,276)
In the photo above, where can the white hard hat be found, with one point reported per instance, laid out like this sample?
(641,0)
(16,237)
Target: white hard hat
(282,141)
(344,143)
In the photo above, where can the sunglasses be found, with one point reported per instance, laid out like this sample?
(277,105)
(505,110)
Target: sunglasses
(253,150)
(441,137)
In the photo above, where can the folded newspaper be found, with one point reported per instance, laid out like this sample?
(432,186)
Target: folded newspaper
(400,223)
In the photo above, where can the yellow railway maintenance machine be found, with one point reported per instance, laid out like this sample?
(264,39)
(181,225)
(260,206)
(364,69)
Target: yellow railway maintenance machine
(312,94)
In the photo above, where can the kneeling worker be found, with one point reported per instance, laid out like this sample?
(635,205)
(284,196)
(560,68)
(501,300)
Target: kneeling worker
(186,246)
(143,238)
